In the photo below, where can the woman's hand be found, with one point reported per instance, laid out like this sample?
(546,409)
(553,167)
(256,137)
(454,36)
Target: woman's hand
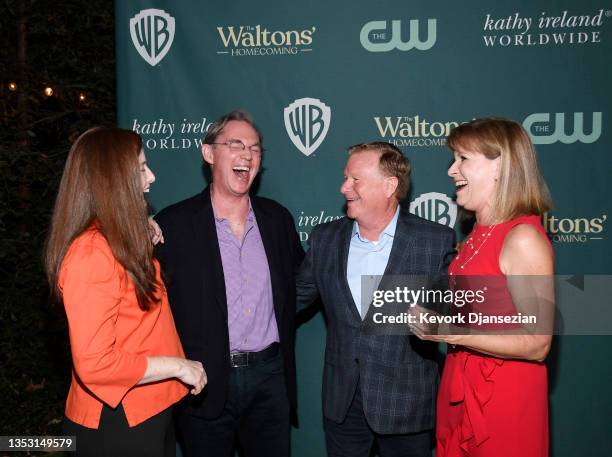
(192,373)
(155,232)
(424,330)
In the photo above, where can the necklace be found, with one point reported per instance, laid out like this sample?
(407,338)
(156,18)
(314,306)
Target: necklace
(484,237)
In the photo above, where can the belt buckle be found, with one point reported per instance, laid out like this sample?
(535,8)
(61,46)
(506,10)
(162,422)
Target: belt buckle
(239,359)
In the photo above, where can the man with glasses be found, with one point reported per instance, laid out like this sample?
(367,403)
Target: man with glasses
(229,260)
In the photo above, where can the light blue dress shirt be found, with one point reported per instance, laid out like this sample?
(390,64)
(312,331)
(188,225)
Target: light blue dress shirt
(368,258)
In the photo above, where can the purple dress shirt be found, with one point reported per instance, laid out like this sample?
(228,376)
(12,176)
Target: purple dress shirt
(250,310)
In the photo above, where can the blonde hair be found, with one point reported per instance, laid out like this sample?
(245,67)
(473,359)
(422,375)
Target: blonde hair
(391,163)
(521,189)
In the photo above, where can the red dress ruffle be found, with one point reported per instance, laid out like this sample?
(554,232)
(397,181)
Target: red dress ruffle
(490,407)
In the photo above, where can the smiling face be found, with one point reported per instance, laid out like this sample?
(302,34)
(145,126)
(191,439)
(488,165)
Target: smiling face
(146,175)
(369,194)
(233,171)
(475,178)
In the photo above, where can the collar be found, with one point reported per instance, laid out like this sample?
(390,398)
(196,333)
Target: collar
(250,214)
(389,230)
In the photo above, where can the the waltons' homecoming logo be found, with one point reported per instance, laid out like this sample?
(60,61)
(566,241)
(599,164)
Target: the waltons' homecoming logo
(257,40)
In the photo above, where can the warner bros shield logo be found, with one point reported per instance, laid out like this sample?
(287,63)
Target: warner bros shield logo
(152,33)
(307,122)
(436,207)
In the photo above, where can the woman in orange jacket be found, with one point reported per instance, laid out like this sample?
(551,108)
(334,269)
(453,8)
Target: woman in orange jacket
(128,364)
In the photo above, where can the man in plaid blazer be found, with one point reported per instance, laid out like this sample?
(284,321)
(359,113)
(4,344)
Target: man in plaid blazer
(377,388)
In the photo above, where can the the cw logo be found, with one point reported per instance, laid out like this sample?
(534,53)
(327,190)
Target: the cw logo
(383,43)
(436,207)
(538,128)
(152,33)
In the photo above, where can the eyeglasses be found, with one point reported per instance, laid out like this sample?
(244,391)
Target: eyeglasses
(239,146)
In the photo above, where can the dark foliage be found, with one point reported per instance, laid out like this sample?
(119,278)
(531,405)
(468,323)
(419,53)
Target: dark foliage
(68,45)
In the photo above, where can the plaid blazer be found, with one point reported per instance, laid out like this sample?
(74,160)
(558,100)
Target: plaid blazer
(397,374)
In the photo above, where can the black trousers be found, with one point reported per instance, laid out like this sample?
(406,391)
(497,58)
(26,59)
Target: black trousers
(256,414)
(114,437)
(355,438)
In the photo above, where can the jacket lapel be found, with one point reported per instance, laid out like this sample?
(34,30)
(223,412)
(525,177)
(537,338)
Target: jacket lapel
(344,242)
(403,243)
(206,247)
(266,223)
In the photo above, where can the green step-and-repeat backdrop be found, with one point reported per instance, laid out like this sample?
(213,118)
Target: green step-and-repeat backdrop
(319,76)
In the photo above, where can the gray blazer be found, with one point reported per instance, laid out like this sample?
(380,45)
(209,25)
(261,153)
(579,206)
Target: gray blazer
(398,374)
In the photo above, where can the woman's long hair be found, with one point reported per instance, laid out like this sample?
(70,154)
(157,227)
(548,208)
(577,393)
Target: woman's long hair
(101,185)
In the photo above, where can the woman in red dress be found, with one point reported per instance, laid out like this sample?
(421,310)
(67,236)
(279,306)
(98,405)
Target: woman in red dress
(493,397)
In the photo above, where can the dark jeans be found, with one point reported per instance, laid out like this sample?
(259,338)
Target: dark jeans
(114,437)
(256,412)
(355,438)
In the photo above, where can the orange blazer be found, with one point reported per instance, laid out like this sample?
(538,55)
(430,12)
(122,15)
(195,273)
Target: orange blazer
(111,337)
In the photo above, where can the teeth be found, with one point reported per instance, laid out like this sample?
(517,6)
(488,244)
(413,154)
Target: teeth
(461,183)
(241,168)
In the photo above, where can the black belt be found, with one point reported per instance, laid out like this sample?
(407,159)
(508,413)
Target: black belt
(244,359)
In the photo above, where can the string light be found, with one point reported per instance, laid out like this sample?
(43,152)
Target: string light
(49,91)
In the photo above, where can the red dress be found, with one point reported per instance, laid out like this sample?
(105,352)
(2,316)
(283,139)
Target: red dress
(490,407)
